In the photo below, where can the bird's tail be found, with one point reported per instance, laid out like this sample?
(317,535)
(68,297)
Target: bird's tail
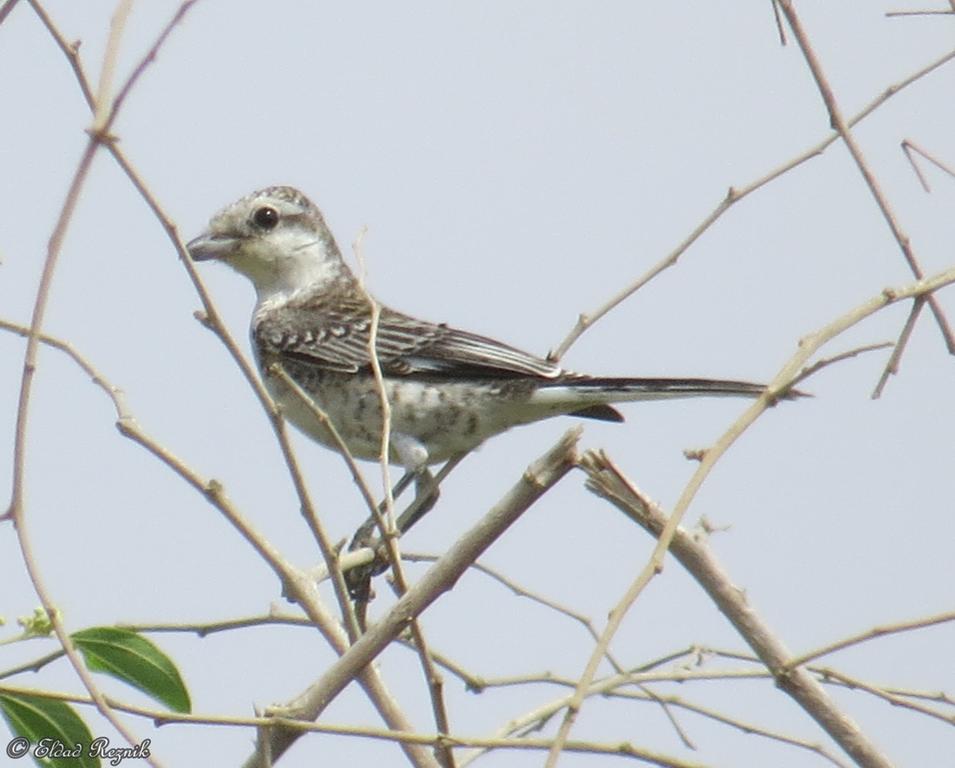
(594,394)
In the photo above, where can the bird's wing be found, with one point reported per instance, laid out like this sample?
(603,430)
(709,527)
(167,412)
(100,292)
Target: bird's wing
(336,338)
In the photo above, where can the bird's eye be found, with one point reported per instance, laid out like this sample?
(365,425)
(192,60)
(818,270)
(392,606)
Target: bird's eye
(265,217)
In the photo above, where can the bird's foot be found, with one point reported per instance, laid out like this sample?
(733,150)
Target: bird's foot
(358,579)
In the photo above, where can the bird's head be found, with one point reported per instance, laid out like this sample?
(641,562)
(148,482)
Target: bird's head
(278,239)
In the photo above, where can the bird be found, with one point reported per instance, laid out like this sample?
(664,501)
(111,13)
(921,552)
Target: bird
(449,390)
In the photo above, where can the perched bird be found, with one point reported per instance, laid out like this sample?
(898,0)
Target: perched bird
(449,390)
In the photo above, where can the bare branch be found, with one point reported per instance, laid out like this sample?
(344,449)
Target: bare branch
(910,149)
(811,370)
(608,482)
(886,695)
(733,196)
(16,510)
(843,127)
(164,717)
(871,634)
(6,8)
(899,14)
(101,116)
(892,366)
(537,479)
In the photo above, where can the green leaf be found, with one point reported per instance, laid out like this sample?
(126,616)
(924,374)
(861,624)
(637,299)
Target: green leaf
(51,725)
(132,658)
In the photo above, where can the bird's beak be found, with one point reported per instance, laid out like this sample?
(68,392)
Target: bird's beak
(207,246)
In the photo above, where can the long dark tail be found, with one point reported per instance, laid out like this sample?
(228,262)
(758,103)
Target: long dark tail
(661,388)
(595,394)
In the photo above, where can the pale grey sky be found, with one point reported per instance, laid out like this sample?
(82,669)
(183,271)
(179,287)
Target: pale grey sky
(514,164)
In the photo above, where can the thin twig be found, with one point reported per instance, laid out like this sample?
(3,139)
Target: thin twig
(6,8)
(898,14)
(102,109)
(910,148)
(145,62)
(524,592)
(655,563)
(808,346)
(435,684)
(614,687)
(70,50)
(97,136)
(939,697)
(811,370)
(298,585)
(907,150)
(873,633)
(843,127)
(389,532)
(892,366)
(301,587)
(206,628)
(164,717)
(780,29)
(740,725)
(369,678)
(541,715)
(585,621)
(365,555)
(694,554)
(33,666)
(854,683)
(113,392)
(733,196)
(537,479)
(211,489)
(330,553)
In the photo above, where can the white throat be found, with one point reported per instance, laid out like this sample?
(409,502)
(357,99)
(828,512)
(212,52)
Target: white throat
(286,262)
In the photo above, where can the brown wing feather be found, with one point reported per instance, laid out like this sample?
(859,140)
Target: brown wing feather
(334,335)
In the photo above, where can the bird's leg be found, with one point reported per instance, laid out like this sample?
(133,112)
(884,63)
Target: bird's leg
(364,536)
(426,496)
(414,456)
